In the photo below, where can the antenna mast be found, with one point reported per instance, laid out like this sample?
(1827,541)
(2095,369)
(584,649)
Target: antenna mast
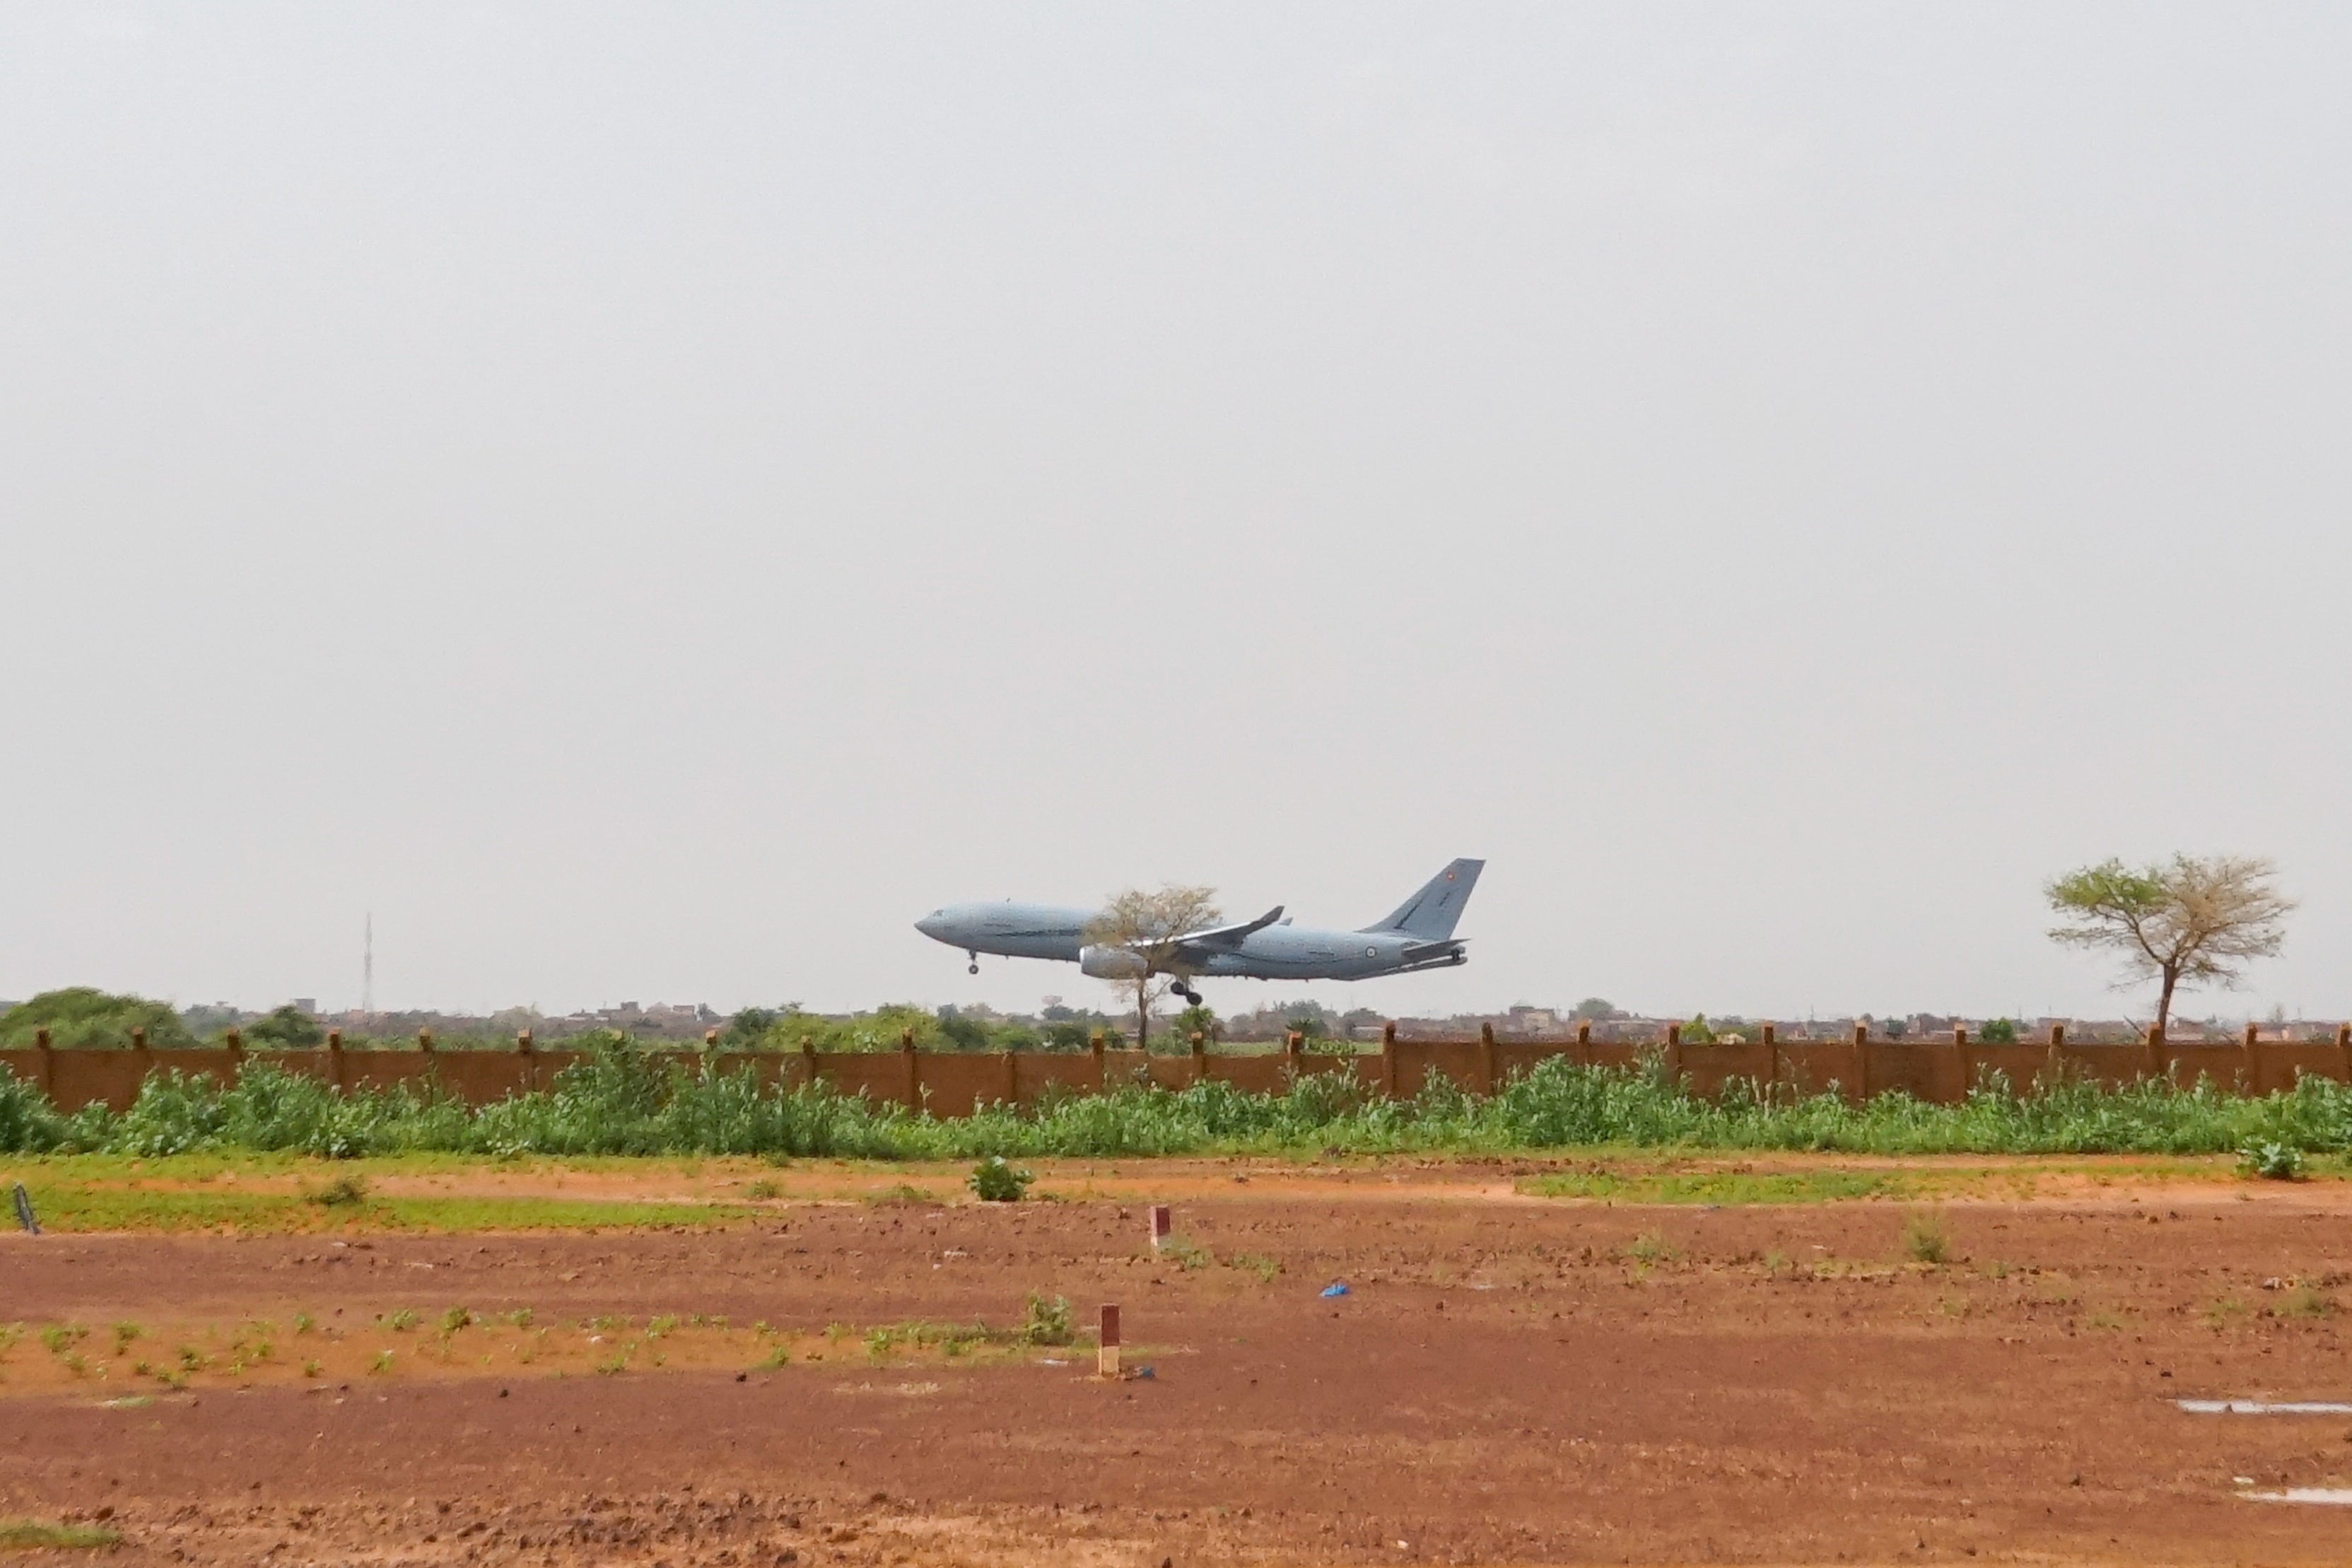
(367,967)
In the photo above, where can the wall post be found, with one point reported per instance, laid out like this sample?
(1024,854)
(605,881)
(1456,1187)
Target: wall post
(1200,1057)
(49,1065)
(530,1068)
(1772,1061)
(1584,1043)
(335,1058)
(2344,1048)
(141,1058)
(1388,1058)
(1862,1064)
(808,1061)
(914,1069)
(1674,1052)
(1486,1058)
(1011,1080)
(425,1040)
(1102,1067)
(235,1041)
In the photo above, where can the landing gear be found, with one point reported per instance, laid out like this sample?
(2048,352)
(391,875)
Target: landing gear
(975,962)
(1189,994)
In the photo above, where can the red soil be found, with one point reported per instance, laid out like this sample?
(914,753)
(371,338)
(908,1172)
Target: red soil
(1505,1381)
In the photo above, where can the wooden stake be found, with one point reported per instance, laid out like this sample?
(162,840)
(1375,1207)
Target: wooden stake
(1107,1357)
(1158,1225)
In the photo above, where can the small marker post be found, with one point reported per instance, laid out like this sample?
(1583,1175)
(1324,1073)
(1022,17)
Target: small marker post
(1158,1226)
(1107,1357)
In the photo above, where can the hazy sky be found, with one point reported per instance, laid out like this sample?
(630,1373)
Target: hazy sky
(650,500)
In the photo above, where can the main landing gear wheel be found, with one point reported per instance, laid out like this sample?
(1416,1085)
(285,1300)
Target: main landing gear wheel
(1190,995)
(975,964)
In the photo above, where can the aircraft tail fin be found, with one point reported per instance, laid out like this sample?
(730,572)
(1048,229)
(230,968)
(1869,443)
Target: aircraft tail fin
(1431,913)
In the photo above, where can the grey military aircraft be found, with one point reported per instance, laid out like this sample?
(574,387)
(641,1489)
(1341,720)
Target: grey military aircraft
(1418,934)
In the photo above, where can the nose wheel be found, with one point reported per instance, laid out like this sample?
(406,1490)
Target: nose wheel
(974,969)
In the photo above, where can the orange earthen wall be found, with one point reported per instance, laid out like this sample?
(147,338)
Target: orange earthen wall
(956,1083)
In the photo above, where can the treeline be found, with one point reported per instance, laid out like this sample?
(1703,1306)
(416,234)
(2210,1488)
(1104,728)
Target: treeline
(82,1018)
(622,1101)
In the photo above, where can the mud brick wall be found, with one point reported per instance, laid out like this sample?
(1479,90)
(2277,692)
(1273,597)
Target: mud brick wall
(957,1083)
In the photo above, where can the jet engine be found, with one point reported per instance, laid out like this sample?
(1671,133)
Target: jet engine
(1111,962)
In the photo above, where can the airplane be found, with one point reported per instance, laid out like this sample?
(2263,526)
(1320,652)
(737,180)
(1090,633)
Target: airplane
(1418,934)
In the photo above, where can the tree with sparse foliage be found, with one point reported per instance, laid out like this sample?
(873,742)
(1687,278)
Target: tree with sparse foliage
(1595,1009)
(1147,924)
(2189,920)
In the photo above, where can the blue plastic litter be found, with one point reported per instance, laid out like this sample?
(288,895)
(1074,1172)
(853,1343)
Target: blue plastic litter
(1334,1288)
(1142,1371)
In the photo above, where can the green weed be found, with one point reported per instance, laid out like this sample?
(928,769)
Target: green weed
(1925,1239)
(2225,1310)
(1044,1322)
(2304,1300)
(1649,1248)
(2271,1162)
(344,1191)
(1185,1255)
(35,1535)
(994,1181)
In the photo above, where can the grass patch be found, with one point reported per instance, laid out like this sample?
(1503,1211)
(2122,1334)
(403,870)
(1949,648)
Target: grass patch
(2304,1300)
(1185,1255)
(348,1191)
(37,1535)
(1723,1187)
(91,1205)
(1651,1248)
(1924,1240)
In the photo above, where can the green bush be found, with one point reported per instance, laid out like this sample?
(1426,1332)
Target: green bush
(80,1017)
(2271,1161)
(995,1182)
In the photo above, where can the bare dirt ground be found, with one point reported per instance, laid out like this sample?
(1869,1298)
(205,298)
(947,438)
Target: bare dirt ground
(1507,1380)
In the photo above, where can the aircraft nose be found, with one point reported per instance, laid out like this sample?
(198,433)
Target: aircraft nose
(932,925)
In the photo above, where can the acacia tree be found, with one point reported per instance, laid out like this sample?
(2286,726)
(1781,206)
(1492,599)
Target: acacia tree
(2185,921)
(1147,924)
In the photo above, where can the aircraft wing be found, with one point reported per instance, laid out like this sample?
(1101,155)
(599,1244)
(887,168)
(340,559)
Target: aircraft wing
(1223,938)
(1426,948)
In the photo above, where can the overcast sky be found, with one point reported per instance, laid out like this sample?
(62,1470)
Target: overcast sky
(651,500)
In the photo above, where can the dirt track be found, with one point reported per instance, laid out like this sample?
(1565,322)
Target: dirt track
(1507,1381)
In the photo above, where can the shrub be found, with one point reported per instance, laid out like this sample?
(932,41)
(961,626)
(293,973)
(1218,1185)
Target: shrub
(344,1191)
(1924,1238)
(2271,1162)
(1044,1322)
(995,1182)
(1999,1032)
